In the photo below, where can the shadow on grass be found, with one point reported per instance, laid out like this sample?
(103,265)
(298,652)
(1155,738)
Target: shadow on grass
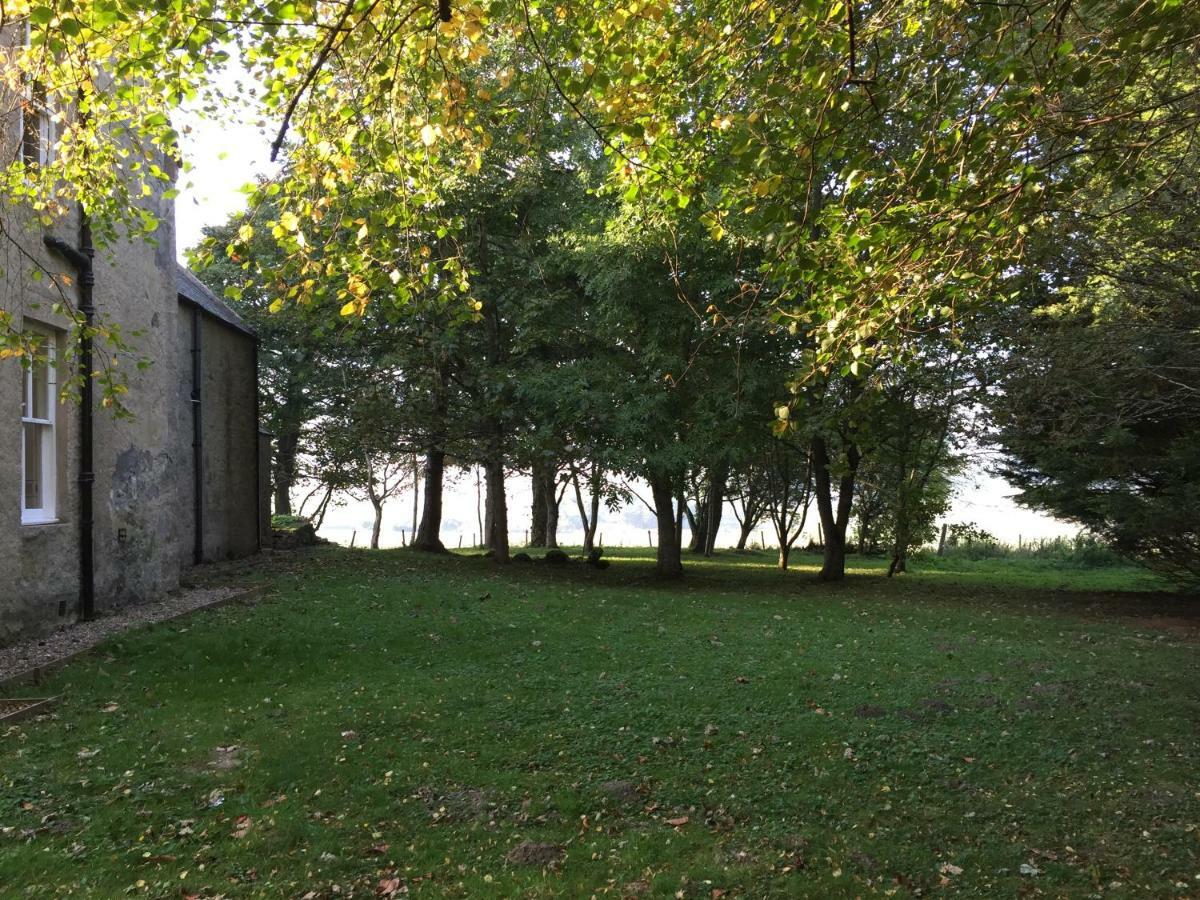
(1034,587)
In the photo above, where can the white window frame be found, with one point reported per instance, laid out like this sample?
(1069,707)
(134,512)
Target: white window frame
(48,511)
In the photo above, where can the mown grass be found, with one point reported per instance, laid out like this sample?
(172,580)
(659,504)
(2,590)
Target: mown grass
(402,723)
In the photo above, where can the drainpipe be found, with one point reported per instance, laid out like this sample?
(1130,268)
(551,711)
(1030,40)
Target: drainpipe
(81,259)
(197,441)
(258,437)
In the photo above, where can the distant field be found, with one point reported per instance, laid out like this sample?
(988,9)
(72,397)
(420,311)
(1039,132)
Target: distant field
(391,724)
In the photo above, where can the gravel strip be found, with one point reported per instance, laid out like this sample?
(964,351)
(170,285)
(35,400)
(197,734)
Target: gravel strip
(69,640)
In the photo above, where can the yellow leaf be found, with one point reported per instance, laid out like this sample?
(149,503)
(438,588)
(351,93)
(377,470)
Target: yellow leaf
(276,306)
(246,232)
(358,287)
(289,221)
(349,308)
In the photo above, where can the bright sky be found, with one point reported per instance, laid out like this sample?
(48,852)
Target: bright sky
(226,156)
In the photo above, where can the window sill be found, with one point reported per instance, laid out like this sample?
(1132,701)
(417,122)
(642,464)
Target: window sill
(35,523)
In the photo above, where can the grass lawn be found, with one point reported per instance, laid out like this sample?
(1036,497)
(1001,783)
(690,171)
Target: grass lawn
(385,723)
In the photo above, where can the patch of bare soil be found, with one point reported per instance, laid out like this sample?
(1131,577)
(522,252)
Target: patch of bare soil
(460,805)
(530,853)
(621,791)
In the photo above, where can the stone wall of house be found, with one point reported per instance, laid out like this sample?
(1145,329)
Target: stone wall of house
(229,439)
(143,490)
(137,458)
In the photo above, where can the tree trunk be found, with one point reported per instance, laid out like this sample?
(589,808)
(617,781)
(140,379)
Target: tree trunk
(318,516)
(696,525)
(744,534)
(552,498)
(715,507)
(785,551)
(588,524)
(591,522)
(375,529)
(496,525)
(497,503)
(833,567)
(900,546)
(285,469)
(537,512)
(416,477)
(489,520)
(669,561)
(597,483)
(428,535)
(479,508)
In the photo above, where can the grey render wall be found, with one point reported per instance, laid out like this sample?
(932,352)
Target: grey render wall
(143,491)
(229,429)
(137,459)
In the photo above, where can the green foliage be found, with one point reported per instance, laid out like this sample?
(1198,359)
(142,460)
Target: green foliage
(889,160)
(288,523)
(1085,551)
(1099,418)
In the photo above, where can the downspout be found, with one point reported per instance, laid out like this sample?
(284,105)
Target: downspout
(197,442)
(258,436)
(82,259)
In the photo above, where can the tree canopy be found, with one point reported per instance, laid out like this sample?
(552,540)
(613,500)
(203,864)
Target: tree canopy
(516,190)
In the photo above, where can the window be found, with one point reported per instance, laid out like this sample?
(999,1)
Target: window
(35,126)
(37,129)
(39,445)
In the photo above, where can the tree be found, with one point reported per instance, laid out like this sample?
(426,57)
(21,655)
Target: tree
(893,153)
(789,483)
(748,498)
(1098,423)
(1097,400)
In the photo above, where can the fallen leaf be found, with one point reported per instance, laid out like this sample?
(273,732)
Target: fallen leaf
(676,822)
(387,887)
(950,869)
(241,825)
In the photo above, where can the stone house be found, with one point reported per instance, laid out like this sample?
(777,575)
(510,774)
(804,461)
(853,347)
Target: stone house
(179,482)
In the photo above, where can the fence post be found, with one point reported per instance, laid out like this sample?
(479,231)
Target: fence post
(353,537)
(942,540)
(649,540)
